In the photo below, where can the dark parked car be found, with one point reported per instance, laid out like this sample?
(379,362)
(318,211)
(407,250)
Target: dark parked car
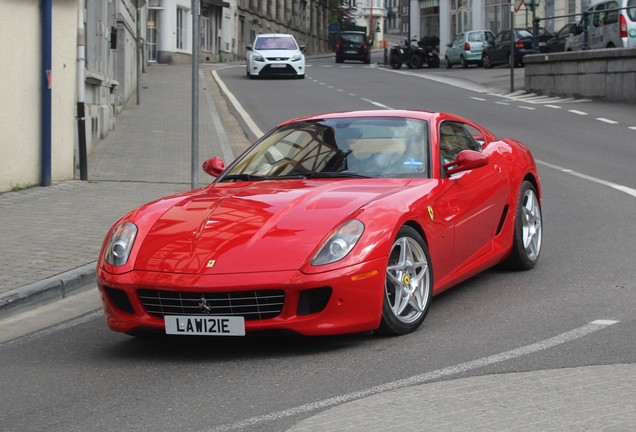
(557,43)
(498,52)
(543,36)
(353,45)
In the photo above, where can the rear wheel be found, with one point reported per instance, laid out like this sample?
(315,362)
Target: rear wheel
(339,59)
(448,63)
(433,61)
(464,63)
(416,61)
(408,287)
(528,234)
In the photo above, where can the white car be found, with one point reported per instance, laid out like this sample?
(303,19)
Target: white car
(275,54)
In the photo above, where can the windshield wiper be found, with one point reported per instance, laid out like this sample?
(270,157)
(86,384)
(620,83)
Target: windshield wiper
(337,174)
(242,177)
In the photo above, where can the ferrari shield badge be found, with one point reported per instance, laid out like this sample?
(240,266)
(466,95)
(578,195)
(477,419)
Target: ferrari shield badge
(430,212)
(211,263)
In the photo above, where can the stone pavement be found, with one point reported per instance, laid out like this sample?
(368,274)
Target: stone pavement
(51,239)
(51,236)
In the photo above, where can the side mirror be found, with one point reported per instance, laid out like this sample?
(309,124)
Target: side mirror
(577,30)
(214,166)
(249,47)
(466,160)
(449,45)
(302,47)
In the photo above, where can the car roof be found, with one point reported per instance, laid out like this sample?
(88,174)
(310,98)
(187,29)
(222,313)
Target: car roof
(274,35)
(415,114)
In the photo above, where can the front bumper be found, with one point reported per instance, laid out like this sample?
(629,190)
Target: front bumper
(354,302)
(278,68)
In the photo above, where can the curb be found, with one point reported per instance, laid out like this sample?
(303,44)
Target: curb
(47,290)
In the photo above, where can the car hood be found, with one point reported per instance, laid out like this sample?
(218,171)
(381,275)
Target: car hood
(253,226)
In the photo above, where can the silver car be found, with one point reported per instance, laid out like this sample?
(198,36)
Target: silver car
(467,47)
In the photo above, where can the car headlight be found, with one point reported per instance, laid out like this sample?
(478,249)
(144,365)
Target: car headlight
(340,243)
(120,244)
(257,57)
(297,57)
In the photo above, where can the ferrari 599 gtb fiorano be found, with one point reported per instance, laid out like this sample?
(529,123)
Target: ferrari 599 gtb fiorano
(334,223)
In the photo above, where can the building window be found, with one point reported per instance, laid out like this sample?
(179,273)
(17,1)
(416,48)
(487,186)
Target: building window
(181,28)
(205,33)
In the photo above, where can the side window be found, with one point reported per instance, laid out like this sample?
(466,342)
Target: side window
(455,137)
(612,16)
(599,15)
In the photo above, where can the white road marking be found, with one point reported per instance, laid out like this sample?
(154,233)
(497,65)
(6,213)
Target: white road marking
(378,104)
(478,99)
(604,120)
(577,112)
(237,105)
(566,337)
(632,127)
(554,106)
(502,103)
(621,188)
(528,108)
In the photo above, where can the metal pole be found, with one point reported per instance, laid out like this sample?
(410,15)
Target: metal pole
(196,7)
(139,52)
(512,47)
(47,80)
(81,106)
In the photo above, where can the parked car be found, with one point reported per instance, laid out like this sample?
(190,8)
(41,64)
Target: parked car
(606,26)
(498,52)
(275,54)
(557,43)
(543,36)
(353,45)
(467,48)
(333,223)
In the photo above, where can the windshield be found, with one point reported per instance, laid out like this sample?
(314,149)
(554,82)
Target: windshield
(349,147)
(275,43)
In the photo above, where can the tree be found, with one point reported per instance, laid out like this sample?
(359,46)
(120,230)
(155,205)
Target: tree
(340,11)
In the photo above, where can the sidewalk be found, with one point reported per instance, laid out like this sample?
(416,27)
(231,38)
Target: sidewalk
(51,239)
(51,236)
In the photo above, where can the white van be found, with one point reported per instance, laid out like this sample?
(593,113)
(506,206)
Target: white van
(607,28)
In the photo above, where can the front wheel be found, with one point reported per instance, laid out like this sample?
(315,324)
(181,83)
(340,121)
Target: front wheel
(395,61)
(408,287)
(485,61)
(528,233)
(448,63)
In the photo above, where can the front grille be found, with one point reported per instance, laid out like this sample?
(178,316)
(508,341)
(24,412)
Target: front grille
(277,58)
(252,305)
(274,71)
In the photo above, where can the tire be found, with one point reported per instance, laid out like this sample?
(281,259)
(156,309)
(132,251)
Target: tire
(300,76)
(339,59)
(485,60)
(433,61)
(464,63)
(416,61)
(367,60)
(448,63)
(395,61)
(408,287)
(528,232)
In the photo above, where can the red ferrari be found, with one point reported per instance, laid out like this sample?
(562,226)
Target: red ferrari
(334,223)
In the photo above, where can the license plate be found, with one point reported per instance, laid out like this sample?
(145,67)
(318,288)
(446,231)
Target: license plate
(204,325)
(350,52)
(278,65)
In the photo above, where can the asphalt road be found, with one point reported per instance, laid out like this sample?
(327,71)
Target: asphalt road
(79,376)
